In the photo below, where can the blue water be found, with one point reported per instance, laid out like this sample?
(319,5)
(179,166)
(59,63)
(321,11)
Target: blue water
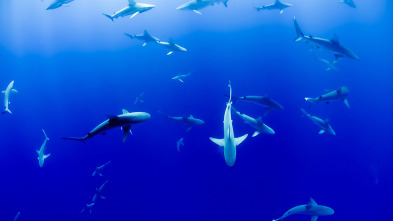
(72,67)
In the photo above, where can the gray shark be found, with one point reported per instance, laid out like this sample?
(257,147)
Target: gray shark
(350,3)
(312,209)
(229,142)
(179,143)
(264,101)
(172,47)
(255,123)
(323,124)
(339,94)
(88,207)
(7,93)
(332,45)
(180,77)
(17,217)
(124,121)
(146,37)
(190,121)
(196,5)
(139,99)
(58,4)
(132,9)
(278,5)
(98,169)
(98,194)
(40,152)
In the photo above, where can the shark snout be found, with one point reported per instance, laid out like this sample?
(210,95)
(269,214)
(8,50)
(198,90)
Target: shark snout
(147,7)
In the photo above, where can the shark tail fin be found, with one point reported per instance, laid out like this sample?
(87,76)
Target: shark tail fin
(299,32)
(108,16)
(7,111)
(83,139)
(311,100)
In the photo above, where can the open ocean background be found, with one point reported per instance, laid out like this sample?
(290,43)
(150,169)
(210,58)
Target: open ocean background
(72,67)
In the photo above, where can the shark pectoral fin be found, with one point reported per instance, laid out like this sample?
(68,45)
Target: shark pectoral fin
(281,11)
(38,151)
(321,131)
(144,44)
(346,102)
(133,15)
(46,156)
(169,53)
(126,131)
(198,12)
(189,128)
(14,91)
(314,218)
(181,80)
(256,133)
(103,197)
(239,140)
(3,92)
(219,142)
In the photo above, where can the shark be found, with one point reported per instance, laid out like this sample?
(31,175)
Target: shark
(179,143)
(88,207)
(229,142)
(7,93)
(172,47)
(333,45)
(190,121)
(139,99)
(312,209)
(124,121)
(40,152)
(323,124)
(330,65)
(264,101)
(98,194)
(17,217)
(196,5)
(98,169)
(132,9)
(277,5)
(350,3)
(58,4)
(255,123)
(339,94)
(146,37)
(180,77)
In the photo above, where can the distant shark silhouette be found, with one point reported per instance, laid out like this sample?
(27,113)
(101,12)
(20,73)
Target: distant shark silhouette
(312,209)
(132,9)
(278,5)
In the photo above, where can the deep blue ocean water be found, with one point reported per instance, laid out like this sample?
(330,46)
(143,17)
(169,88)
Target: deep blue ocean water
(72,67)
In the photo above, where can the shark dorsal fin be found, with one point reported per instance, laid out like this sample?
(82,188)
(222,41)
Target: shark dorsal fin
(146,33)
(312,202)
(335,39)
(131,2)
(125,111)
(259,120)
(170,41)
(277,2)
(191,116)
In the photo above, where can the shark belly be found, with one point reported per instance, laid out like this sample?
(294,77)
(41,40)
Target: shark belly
(229,152)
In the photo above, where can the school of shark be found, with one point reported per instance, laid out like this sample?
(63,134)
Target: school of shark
(127,121)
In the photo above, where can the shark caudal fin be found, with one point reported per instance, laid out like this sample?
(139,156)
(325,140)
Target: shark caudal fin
(299,32)
(109,16)
(6,111)
(311,100)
